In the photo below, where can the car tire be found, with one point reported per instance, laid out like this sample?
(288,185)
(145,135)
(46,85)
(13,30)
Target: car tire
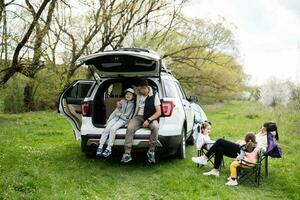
(190,140)
(181,149)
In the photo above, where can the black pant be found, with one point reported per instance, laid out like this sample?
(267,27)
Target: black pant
(223,147)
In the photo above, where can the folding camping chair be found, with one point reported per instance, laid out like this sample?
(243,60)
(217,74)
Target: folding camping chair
(252,171)
(202,151)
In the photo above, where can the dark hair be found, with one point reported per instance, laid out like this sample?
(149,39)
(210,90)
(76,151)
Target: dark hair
(141,82)
(250,142)
(204,125)
(271,127)
(208,122)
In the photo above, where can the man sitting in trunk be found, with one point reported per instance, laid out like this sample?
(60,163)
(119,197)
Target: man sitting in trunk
(146,114)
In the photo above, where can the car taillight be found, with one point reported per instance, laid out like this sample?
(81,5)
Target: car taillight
(85,109)
(167,108)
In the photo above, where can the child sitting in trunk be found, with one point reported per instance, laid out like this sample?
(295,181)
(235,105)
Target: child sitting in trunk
(248,153)
(118,118)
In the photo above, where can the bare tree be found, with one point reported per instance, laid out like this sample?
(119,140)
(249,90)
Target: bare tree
(106,28)
(200,53)
(16,65)
(4,39)
(31,42)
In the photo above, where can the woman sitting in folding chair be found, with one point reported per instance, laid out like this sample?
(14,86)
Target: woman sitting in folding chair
(230,149)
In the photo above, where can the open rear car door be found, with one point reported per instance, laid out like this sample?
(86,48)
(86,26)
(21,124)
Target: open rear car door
(123,64)
(70,103)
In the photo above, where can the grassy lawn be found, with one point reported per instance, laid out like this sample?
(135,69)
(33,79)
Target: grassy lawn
(39,159)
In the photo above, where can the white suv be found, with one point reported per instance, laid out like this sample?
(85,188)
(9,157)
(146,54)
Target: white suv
(87,104)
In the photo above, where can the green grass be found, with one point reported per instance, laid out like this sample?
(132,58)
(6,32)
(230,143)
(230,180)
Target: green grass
(39,159)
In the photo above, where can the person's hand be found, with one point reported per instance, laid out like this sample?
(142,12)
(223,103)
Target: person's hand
(119,104)
(146,124)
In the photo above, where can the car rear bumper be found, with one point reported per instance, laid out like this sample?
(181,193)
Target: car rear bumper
(139,141)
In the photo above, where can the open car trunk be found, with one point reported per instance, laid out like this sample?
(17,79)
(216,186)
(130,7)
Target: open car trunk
(109,92)
(123,64)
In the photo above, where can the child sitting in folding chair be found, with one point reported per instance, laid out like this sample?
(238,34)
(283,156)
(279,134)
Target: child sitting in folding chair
(202,139)
(248,153)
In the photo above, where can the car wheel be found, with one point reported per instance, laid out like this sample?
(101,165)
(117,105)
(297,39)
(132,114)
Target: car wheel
(190,140)
(181,149)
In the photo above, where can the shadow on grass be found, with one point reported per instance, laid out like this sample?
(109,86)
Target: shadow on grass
(71,155)
(139,159)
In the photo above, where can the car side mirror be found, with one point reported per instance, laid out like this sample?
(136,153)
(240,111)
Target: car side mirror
(193,99)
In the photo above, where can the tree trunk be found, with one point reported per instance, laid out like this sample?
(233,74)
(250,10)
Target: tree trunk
(28,97)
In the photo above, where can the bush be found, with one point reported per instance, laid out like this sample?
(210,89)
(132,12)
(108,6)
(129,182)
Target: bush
(13,96)
(48,85)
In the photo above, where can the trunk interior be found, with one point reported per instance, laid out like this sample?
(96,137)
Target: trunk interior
(107,96)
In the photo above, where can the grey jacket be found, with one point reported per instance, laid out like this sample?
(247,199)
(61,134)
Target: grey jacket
(124,113)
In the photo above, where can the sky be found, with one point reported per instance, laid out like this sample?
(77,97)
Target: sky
(267,34)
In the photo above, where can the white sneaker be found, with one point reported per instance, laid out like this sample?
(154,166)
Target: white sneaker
(212,173)
(232,182)
(199,160)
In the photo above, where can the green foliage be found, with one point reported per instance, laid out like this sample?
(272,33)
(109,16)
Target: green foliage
(40,160)
(46,88)
(252,116)
(13,98)
(49,83)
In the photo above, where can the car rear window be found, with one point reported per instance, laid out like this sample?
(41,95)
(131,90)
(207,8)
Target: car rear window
(122,63)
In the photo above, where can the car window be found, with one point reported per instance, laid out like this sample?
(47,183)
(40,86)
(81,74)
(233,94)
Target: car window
(80,91)
(83,90)
(122,63)
(200,114)
(180,91)
(170,88)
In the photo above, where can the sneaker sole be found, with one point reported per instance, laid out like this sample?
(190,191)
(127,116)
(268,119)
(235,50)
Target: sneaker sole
(211,175)
(105,155)
(196,161)
(126,161)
